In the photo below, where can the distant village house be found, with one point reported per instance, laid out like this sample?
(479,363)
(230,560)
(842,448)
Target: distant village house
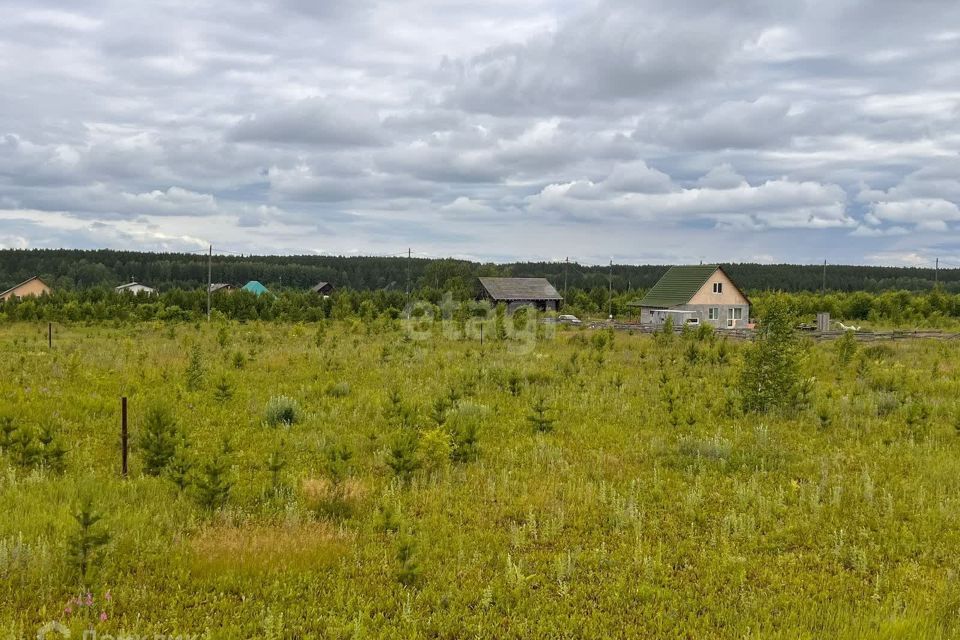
(322,288)
(26,289)
(695,295)
(256,288)
(135,288)
(521,292)
(221,286)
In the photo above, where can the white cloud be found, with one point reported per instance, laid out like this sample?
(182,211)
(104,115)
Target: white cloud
(643,122)
(772,204)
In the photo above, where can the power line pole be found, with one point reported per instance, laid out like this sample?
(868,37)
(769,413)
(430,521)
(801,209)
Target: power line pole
(823,282)
(409,251)
(936,273)
(566,263)
(610,297)
(209,279)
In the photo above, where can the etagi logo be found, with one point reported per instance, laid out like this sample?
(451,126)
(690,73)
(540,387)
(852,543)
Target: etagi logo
(56,630)
(53,630)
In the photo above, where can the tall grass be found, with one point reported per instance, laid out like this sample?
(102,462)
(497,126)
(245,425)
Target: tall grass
(425,500)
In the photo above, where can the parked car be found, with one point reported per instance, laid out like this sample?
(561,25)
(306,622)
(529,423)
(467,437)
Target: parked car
(568,319)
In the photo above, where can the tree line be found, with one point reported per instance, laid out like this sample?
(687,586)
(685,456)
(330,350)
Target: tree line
(932,309)
(75,269)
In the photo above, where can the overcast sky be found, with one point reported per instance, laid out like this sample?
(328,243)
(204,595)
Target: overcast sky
(643,130)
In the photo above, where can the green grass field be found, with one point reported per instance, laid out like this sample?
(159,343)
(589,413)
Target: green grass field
(346,480)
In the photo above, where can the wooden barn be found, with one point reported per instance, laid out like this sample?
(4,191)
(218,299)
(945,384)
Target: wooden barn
(26,289)
(694,295)
(521,292)
(322,288)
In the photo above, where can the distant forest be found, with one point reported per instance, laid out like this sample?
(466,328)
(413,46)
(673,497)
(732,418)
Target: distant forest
(78,270)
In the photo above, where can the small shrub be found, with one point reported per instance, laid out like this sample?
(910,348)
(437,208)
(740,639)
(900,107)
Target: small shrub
(845,348)
(388,518)
(402,455)
(339,390)
(194,370)
(282,410)
(466,442)
(223,391)
(541,422)
(434,449)
(213,483)
(408,573)
(336,462)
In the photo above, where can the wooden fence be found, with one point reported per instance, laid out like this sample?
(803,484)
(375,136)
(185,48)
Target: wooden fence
(819,336)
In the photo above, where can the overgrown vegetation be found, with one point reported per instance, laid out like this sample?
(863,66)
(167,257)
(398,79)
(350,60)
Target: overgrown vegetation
(592,483)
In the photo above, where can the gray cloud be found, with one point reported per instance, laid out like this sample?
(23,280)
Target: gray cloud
(658,130)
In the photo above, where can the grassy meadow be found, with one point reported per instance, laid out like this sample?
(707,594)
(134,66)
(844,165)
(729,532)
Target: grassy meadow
(348,479)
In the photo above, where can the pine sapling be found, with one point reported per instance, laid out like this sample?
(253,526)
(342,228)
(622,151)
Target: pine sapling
(159,440)
(408,573)
(402,457)
(85,545)
(194,370)
(213,483)
(541,422)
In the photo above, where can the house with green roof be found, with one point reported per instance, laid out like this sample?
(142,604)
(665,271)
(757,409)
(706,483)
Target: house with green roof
(695,294)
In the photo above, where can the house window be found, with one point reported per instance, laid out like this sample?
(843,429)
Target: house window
(713,313)
(734,314)
(718,287)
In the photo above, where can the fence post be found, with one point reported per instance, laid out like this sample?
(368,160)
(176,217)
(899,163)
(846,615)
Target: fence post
(50,335)
(123,434)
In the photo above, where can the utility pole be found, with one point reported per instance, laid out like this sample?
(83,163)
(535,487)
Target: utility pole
(566,263)
(936,273)
(209,279)
(823,282)
(610,297)
(409,251)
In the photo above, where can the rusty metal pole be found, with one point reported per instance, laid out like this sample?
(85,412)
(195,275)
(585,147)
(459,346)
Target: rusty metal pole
(123,434)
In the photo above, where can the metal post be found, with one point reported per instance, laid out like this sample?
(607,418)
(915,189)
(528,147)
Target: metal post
(123,435)
(50,335)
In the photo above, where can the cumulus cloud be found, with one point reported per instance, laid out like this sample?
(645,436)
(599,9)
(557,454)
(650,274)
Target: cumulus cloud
(772,204)
(312,121)
(651,128)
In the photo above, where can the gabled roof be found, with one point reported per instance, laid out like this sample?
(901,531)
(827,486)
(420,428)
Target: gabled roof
(320,286)
(27,281)
(255,288)
(132,284)
(677,286)
(217,286)
(520,289)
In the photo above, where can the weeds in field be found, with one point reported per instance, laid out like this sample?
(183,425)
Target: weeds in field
(660,506)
